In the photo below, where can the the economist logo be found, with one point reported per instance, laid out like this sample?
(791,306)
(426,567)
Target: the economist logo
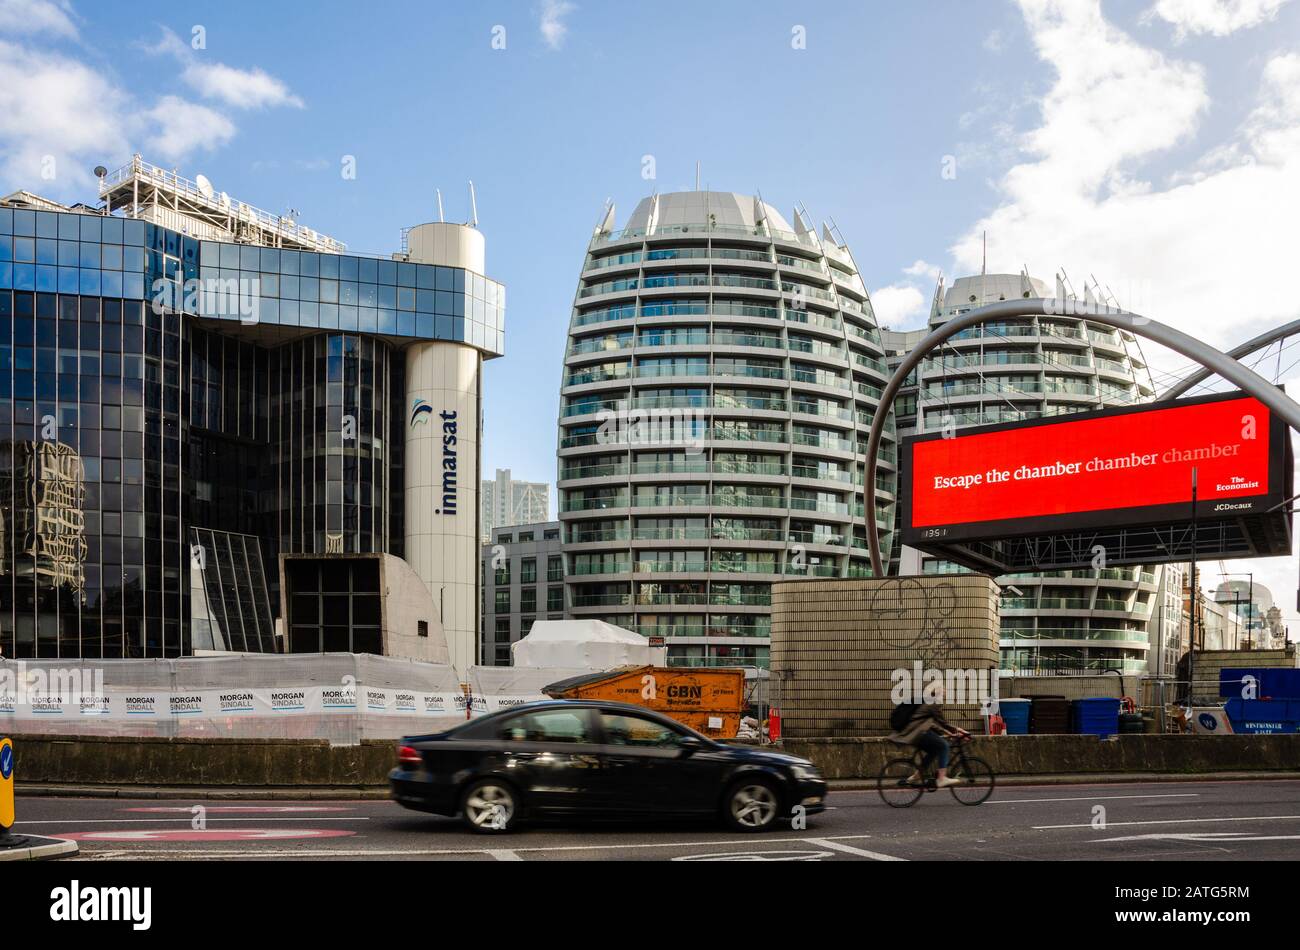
(1115,467)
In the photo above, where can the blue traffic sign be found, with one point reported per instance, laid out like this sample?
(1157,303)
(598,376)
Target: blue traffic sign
(6,761)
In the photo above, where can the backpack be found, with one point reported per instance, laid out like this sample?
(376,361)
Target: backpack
(902,715)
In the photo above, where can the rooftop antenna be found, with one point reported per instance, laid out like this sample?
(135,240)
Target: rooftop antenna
(984,261)
(697,175)
(473,206)
(438,191)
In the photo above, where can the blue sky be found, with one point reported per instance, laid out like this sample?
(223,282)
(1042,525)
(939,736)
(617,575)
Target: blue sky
(1155,144)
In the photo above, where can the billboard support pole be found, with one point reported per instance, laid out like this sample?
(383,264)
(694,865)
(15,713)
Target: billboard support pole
(1214,360)
(1196,602)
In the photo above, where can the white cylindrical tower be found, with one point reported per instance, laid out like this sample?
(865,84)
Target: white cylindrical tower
(442,459)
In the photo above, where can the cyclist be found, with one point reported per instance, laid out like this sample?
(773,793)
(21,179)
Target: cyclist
(926,730)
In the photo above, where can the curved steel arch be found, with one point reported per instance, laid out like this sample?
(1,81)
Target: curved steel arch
(1215,361)
(1237,352)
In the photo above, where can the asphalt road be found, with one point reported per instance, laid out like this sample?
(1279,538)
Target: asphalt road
(1172,821)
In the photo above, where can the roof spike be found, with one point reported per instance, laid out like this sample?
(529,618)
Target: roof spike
(606,225)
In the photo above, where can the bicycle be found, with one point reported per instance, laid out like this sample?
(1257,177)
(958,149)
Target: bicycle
(975,777)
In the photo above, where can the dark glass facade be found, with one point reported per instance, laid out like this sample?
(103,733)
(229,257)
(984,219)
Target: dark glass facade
(90,390)
(331,416)
(132,416)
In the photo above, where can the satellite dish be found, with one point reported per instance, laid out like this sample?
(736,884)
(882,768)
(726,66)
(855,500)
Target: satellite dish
(225,200)
(205,186)
(100,171)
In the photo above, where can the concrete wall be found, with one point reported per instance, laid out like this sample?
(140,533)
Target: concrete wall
(841,758)
(1208,664)
(206,763)
(406,603)
(836,644)
(1011,686)
(305,763)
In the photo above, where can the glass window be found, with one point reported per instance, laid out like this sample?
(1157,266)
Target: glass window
(549,725)
(624,729)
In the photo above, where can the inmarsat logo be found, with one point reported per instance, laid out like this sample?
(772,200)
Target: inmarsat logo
(132,904)
(420,411)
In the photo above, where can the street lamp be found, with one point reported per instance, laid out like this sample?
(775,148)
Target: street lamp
(1250,604)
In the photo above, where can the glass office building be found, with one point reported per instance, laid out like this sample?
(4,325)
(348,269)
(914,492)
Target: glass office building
(723,370)
(178,410)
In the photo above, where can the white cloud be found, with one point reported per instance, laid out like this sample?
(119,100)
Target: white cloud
(994,41)
(1204,251)
(1208,248)
(1216,17)
(241,88)
(180,127)
(37,16)
(551,21)
(922,269)
(60,116)
(899,306)
(57,116)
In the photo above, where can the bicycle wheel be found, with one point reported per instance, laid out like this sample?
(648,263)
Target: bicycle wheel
(893,786)
(976,780)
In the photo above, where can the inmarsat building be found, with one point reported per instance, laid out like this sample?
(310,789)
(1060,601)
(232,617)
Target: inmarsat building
(220,431)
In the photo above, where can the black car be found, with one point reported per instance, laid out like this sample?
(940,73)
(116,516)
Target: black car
(570,758)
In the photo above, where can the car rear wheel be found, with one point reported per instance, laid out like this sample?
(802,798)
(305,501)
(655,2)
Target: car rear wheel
(751,804)
(490,806)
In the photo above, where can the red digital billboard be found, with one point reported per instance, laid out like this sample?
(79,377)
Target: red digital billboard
(1116,467)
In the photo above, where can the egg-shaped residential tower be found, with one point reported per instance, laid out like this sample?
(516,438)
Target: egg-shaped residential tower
(1111,618)
(722,371)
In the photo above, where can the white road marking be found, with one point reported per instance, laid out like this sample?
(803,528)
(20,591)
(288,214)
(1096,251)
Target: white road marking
(849,849)
(1208,837)
(501,854)
(440,852)
(1172,821)
(732,856)
(156,821)
(1091,798)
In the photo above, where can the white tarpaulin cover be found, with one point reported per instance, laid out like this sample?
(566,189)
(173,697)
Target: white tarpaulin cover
(582,645)
(341,697)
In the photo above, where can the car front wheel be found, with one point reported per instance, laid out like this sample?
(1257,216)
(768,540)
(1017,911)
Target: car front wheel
(490,806)
(751,804)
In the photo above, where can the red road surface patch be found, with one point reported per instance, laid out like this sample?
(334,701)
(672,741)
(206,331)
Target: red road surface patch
(218,834)
(240,809)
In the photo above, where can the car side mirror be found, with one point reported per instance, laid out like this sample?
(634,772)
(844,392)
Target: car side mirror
(690,745)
